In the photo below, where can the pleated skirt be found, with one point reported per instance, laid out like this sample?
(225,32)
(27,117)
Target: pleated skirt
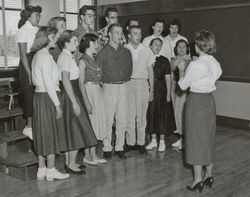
(200,127)
(47,130)
(78,129)
(97,117)
(27,90)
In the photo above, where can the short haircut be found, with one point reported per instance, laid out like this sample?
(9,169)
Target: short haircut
(65,36)
(158,20)
(111,27)
(83,10)
(205,41)
(129,21)
(53,21)
(110,9)
(175,22)
(152,41)
(26,13)
(133,27)
(85,41)
(41,39)
(181,41)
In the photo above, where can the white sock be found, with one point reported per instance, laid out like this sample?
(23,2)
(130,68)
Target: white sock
(153,141)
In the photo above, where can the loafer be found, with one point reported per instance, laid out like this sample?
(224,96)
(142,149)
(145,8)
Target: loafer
(73,171)
(121,154)
(107,154)
(141,149)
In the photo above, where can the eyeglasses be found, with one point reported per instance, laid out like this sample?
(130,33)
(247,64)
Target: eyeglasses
(113,17)
(90,15)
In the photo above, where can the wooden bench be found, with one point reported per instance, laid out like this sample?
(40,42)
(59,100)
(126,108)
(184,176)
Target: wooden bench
(10,115)
(15,162)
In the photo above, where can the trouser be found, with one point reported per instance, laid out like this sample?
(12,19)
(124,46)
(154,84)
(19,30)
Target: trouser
(138,95)
(116,106)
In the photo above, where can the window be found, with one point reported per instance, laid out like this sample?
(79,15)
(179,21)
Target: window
(9,18)
(69,9)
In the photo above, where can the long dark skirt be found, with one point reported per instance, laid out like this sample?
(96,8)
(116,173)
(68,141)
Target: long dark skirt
(47,130)
(160,114)
(200,127)
(79,132)
(27,90)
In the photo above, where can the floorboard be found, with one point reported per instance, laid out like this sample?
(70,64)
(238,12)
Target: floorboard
(155,174)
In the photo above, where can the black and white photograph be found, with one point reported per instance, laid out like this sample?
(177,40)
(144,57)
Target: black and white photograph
(124,98)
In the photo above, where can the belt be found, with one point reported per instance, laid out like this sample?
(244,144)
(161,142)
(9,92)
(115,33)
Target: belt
(92,82)
(138,79)
(116,82)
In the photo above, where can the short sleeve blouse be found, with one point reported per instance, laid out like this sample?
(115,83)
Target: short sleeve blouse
(27,34)
(66,62)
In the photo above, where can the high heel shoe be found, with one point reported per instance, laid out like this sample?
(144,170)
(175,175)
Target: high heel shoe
(198,186)
(209,181)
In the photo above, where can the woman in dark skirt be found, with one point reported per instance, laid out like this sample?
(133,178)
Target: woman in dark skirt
(27,25)
(79,132)
(47,113)
(200,114)
(160,111)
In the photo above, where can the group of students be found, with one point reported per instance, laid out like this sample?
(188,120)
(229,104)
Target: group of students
(78,84)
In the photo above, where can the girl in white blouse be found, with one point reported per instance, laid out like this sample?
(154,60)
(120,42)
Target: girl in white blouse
(78,132)
(200,114)
(48,123)
(27,25)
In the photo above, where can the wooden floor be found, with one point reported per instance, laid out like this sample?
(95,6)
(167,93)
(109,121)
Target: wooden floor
(154,174)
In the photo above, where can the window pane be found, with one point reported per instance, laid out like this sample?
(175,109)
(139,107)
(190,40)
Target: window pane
(12,19)
(86,2)
(17,4)
(71,6)
(1,41)
(71,21)
(61,6)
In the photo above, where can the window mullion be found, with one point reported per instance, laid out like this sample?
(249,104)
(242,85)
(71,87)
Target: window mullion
(4,36)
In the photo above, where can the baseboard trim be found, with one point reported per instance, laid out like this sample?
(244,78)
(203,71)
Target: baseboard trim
(234,123)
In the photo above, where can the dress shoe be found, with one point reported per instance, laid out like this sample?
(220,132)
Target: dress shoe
(90,162)
(73,171)
(198,186)
(82,166)
(151,145)
(209,181)
(53,173)
(121,154)
(107,154)
(141,149)
(129,148)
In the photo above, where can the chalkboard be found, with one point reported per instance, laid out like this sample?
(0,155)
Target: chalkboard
(231,27)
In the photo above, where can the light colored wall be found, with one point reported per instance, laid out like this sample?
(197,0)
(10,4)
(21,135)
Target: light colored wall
(51,8)
(233,99)
(108,2)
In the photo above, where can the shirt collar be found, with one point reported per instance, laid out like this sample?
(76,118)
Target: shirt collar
(29,25)
(109,46)
(140,46)
(68,52)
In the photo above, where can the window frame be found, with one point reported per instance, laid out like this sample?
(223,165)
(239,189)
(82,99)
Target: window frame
(2,10)
(64,12)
